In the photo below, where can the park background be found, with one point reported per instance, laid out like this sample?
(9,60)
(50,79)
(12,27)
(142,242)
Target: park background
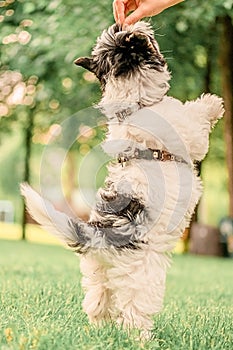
(40,88)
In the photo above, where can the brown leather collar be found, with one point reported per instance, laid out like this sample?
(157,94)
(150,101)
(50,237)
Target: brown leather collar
(150,154)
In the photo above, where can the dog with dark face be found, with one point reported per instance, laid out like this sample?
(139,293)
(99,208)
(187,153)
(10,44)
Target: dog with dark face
(151,191)
(121,53)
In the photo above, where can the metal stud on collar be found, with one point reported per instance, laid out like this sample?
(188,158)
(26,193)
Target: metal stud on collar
(157,154)
(122,160)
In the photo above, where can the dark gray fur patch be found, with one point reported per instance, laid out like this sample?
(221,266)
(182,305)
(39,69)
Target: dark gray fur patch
(106,233)
(135,51)
(83,234)
(121,205)
(95,237)
(121,53)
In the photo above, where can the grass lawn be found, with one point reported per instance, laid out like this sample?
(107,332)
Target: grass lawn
(41,304)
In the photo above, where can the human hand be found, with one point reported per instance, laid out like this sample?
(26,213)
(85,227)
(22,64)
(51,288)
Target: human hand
(140,8)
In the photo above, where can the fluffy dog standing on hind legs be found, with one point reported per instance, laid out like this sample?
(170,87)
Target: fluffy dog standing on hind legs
(151,191)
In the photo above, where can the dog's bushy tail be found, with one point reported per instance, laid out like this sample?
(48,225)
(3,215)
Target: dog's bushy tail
(78,235)
(43,212)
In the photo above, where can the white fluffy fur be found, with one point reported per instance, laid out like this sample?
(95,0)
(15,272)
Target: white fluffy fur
(128,286)
(132,285)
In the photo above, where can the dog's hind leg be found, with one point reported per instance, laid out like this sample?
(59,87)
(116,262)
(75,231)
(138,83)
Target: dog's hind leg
(138,283)
(97,297)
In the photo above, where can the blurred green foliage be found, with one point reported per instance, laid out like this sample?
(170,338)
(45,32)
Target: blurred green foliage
(38,80)
(40,41)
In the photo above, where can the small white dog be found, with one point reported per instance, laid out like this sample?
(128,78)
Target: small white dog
(150,193)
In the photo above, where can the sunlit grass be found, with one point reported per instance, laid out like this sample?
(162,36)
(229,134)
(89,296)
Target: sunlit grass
(41,301)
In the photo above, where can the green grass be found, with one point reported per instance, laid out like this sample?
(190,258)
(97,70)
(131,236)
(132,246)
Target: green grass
(41,304)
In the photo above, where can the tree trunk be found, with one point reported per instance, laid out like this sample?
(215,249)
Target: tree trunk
(27,173)
(226,68)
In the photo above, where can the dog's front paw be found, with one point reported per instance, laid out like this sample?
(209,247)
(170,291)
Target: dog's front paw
(215,107)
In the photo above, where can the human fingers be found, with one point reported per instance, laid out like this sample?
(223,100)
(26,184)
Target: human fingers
(135,16)
(149,8)
(119,11)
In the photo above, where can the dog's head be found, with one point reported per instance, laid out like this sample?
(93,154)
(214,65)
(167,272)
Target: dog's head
(121,52)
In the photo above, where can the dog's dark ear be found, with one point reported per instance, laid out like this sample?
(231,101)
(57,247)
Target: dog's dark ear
(85,62)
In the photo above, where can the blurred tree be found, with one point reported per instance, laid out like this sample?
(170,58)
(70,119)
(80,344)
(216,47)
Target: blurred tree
(39,42)
(220,14)
(226,64)
(201,37)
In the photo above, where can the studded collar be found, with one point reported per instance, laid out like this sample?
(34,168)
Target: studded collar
(149,154)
